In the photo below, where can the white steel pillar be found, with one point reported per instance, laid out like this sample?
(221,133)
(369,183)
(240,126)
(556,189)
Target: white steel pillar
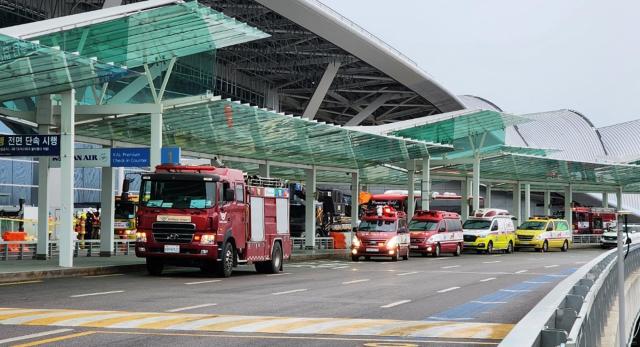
(547,203)
(619,199)
(568,198)
(156,140)
(107,202)
(605,199)
(425,186)
(321,90)
(517,203)
(464,199)
(622,336)
(264,170)
(411,188)
(476,183)
(310,209)
(355,194)
(487,195)
(527,201)
(44,114)
(67,138)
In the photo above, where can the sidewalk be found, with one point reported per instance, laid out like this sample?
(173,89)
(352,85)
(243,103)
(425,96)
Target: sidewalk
(28,270)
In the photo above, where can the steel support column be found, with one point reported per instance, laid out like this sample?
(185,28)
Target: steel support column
(321,90)
(464,200)
(622,336)
(487,195)
(476,183)
(44,118)
(517,203)
(107,202)
(425,185)
(264,170)
(605,199)
(527,201)
(411,188)
(568,198)
(156,140)
(310,209)
(355,194)
(547,203)
(65,242)
(619,199)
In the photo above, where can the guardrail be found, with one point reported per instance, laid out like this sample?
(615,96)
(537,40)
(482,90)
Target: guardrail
(587,239)
(574,313)
(321,243)
(21,250)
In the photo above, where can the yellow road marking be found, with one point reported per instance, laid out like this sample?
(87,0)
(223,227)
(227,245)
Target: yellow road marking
(232,324)
(115,320)
(56,319)
(349,327)
(16,283)
(292,326)
(169,322)
(408,330)
(55,339)
(4,316)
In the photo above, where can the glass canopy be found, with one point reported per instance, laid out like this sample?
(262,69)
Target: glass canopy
(223,127)
(29,69)
(155,35)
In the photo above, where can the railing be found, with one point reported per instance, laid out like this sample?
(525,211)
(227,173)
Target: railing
(575,312)
(20,250)
(587,239)
(321,243)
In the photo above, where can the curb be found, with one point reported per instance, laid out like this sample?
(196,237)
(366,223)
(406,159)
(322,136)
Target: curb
(111,269)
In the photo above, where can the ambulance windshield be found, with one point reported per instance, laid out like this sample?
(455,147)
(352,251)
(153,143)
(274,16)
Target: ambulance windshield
(419,225)
(533,225)
(476,224)
(377,225)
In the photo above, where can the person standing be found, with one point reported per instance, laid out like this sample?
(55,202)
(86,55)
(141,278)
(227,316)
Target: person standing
(88,225)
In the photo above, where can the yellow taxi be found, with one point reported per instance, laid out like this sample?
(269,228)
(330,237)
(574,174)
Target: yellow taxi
(542,233)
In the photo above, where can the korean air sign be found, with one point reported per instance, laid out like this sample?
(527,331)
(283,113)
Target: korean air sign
(118,157)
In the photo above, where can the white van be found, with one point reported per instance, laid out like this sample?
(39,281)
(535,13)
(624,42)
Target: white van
(489,229)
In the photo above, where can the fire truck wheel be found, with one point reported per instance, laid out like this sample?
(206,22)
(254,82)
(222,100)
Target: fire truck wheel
(510,248)
(275,264)
(367,258)
(395,254)
(406,256)
(355,258)
(458,251)
(225,265)
(155,267)
(565,246)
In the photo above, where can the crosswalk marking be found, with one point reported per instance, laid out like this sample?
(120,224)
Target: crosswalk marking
(252,324)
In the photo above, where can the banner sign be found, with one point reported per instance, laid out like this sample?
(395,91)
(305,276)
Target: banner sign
(130,157)
(119,157)
(29,145)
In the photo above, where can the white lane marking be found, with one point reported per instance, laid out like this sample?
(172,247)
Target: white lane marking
(394,304)
(279,274)
(289,292)
(340,267)
(515,290)
(31,317)
(488,279)
(357,281)
(408,273)
(33,336)
(521,271)
(550,266)
(202,282)
(180,309)
(14,283)
(536,282)
(556,275)
(448,289)
(450,267)
(449,318)
(581,262)
(98,293)
(492,262)
(107,275)
(489,302)
(438,258)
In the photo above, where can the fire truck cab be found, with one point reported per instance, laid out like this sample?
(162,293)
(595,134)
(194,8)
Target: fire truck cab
(435,232)
(213,218)
(382,232)
(593,220)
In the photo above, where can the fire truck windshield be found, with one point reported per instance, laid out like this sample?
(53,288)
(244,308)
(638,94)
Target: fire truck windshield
(531,225)
(124,209)
(377,225)
(418,225)
(476,224)
(178,194)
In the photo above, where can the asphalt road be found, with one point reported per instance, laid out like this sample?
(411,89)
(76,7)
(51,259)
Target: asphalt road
(468,300)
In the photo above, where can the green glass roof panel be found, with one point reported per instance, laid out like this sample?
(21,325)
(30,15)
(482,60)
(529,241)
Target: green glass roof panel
(227,128)
(155,35)
(497,150)
(29,69)
(446,128)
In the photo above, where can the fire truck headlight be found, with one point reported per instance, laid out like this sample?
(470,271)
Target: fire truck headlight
(141,237)
(392,243)
(208,239)
(355,242)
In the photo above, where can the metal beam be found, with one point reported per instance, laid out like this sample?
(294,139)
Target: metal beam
(372,107)
(138,84)
(321,90)
(29,116)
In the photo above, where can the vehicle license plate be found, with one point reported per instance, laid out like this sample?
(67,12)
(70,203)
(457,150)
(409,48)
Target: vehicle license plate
(372,249)
(413,247)
(171,249)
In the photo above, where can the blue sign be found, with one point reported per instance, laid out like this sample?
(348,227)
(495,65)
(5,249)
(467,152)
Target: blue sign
(130,157)
(170,155)
(29,145)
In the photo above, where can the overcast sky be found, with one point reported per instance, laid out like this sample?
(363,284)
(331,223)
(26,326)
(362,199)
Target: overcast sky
(523,55)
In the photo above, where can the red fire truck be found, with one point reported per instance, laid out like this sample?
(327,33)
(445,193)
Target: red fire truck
(213,218)
(382,232)
(592,220)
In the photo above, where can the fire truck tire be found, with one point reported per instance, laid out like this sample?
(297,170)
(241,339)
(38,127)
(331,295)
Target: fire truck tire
(224,267)
(367,258)
(510,248)
(458,250)
(565,246)
(406,256)
(155,267)
(275,264)
(355,258)
(394,257)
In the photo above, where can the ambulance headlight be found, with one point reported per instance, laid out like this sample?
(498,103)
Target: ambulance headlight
(393,242)
(355,242)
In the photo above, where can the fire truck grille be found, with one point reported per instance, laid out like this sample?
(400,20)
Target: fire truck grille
(525,237)
(469,238)
(420,240)
(173,232)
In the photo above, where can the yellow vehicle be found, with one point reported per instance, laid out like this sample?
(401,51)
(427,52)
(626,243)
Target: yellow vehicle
(124,222)
(542,233)
(488,230)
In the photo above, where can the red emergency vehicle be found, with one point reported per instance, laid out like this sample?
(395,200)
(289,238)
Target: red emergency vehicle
(213,218)
(436,232)
(382,232)
(592,220)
